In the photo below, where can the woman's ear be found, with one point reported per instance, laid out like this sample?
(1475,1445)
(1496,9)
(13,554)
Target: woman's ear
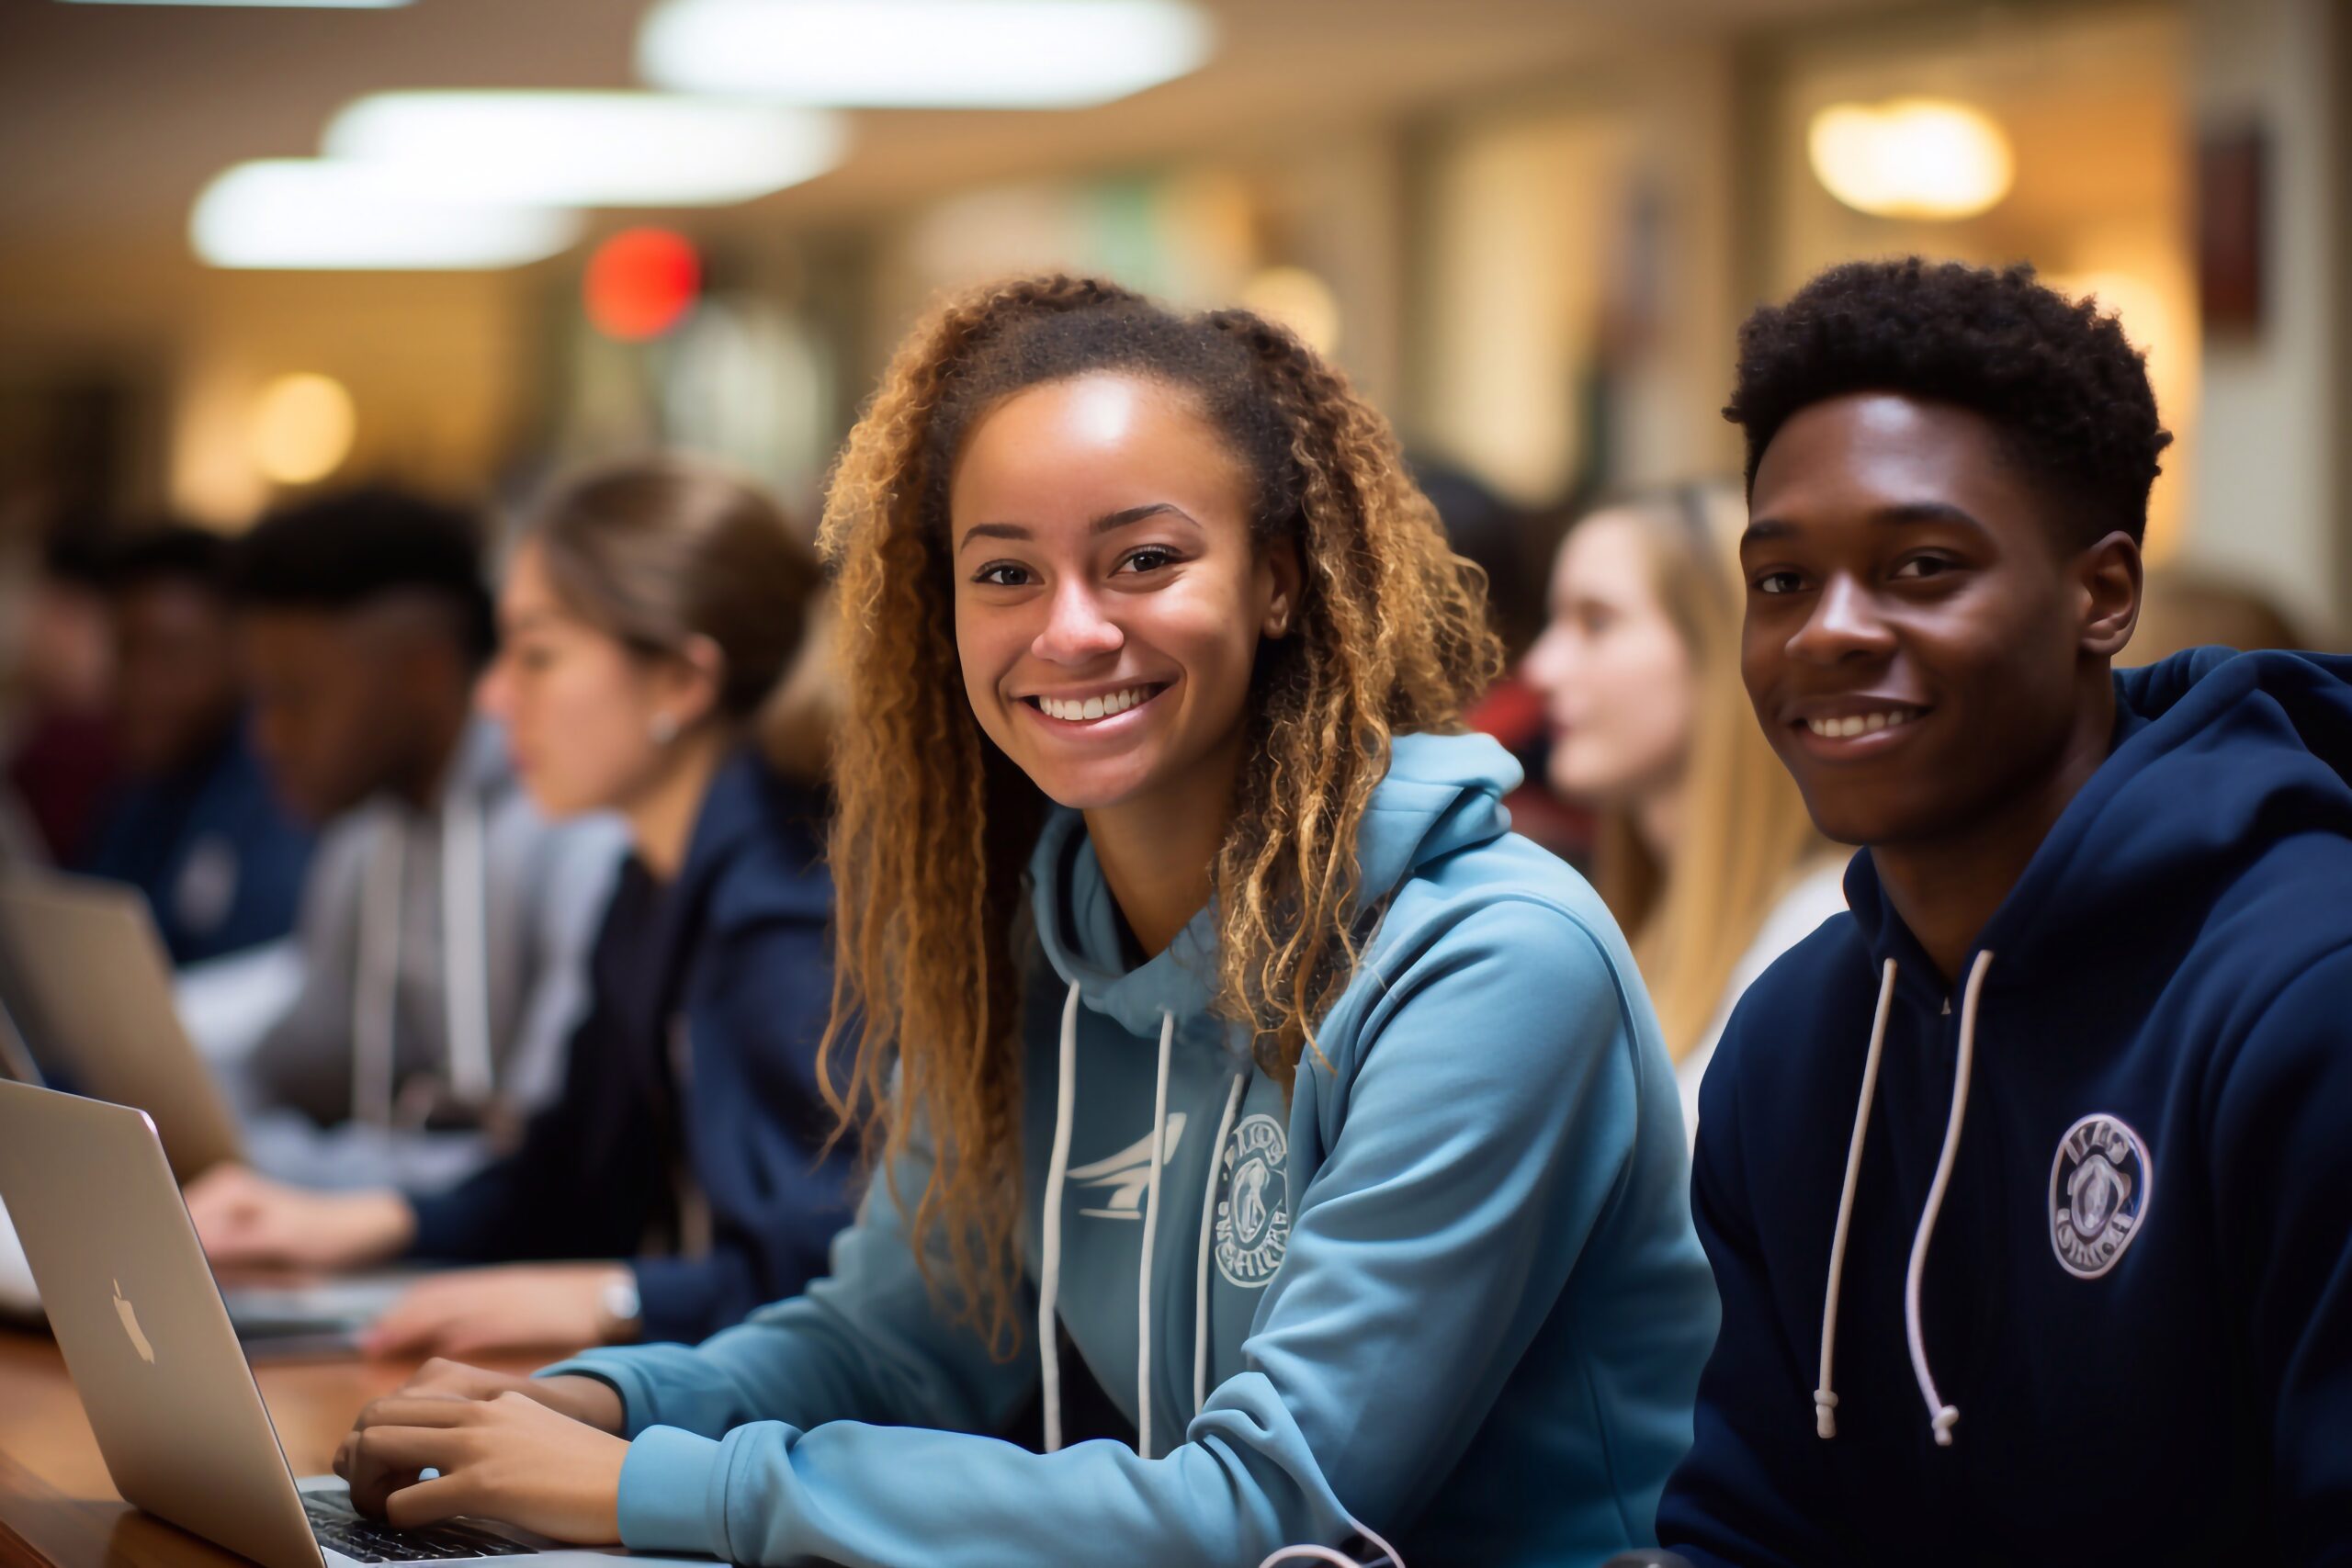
(2110,576)
(690,685)
(1281,563)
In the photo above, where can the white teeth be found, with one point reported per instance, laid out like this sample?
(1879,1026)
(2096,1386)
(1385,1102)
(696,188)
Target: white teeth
(1089,708)
(1860,724)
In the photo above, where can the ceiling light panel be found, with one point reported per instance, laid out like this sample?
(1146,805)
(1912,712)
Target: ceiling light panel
(923,53)
(320,214)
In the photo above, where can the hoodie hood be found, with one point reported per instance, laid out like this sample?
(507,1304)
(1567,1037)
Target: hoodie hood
(2217,756)
(1443,794)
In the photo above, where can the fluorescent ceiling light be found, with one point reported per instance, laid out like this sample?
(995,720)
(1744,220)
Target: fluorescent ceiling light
(587,148)
(302,213)
(280,5)
(923,53)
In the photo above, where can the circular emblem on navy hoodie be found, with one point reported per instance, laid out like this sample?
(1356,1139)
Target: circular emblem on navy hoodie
(2099,1194)
(1253,1217)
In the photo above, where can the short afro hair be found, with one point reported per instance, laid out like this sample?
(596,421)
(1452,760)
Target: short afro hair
(173,552)
(338,552)
(2067,390)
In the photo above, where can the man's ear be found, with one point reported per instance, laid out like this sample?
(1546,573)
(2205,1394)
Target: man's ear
(2109,578)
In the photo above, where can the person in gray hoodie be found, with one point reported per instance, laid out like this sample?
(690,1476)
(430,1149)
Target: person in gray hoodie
(1325,1118)
(444,926)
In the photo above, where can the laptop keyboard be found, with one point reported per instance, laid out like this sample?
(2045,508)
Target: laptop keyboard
(369,1540)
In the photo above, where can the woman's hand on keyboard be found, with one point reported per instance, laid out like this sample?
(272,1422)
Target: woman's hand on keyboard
(509,1458)
(591,1400)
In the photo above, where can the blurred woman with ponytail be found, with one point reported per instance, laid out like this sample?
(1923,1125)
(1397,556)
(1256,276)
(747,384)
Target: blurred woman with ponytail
(1214,1030)
(650,613)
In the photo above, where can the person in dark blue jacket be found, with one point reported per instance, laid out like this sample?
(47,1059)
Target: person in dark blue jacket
(647,619)
(193,824)
(2026,1183)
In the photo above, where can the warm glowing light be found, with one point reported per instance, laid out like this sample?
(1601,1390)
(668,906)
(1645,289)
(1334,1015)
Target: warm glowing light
(923,53)
(317,213)
(640,283)
(1911,158)
(559,149)
(282,4)
(1298,299)
(302,429)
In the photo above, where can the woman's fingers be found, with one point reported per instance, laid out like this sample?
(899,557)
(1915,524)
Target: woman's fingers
(460,1380)
(382,1461)
(419,1410)
(429,1502)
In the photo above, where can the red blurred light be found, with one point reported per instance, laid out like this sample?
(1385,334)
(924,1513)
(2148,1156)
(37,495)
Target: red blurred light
(640,283)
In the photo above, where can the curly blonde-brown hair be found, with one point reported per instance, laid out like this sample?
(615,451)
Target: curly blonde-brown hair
(935,825)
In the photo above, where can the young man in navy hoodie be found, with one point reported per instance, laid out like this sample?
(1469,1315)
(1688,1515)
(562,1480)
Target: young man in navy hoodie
(2028,1184)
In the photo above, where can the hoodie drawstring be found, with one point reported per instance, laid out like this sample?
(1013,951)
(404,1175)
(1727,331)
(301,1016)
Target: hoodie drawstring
(465,959)
(1049,1277)
(1150,1235)
(1943,1416)
(465,949)
(1825,1398)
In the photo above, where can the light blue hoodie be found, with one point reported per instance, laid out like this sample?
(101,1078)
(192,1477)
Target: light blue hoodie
(1448,1291)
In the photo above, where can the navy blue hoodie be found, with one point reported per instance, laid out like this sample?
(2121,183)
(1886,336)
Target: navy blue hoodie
(2137,1291)
(695,1070)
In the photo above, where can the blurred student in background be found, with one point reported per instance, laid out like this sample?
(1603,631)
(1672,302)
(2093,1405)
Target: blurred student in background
(446,926)
(1704,852)
(194,824)
(60,738)
(2184,607)
(648,616)
(1155,661)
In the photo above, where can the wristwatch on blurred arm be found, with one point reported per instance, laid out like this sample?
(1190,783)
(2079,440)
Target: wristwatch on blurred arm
(620,1313)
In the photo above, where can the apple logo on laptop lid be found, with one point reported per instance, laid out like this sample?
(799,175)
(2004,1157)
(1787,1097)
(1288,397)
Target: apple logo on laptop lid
(131,1326)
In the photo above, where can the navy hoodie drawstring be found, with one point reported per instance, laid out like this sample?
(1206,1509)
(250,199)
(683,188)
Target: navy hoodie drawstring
(1942,1417)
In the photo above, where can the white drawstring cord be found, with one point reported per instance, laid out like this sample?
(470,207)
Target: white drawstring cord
(1339,1560)
(1049,1278)
(1208,1226)
(1150,1235)
(465,921)
(1825,1398)
(1943,1416)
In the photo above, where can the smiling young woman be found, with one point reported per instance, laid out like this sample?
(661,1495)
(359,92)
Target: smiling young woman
(1211,1019)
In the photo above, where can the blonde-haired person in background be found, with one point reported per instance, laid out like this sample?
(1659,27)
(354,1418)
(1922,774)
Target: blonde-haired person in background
(1704,853)
(1218,1023)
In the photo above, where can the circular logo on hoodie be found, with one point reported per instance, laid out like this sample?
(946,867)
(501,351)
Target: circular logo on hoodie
(1253,1217)
(2099,1194)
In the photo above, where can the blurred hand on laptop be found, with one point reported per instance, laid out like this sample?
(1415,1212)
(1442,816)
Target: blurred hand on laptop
(521,1306)
(246,1220)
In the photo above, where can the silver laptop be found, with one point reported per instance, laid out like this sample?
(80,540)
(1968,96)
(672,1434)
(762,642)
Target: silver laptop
(83,975)
(169,1398)
(87,991)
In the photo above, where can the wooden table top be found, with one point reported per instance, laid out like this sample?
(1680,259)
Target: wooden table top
(58,1509)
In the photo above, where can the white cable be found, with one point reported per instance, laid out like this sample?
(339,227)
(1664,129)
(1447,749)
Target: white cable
(1150,1233)
(1825,1398)
(1943,1416)
(1049,1277)
(1208,1226)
